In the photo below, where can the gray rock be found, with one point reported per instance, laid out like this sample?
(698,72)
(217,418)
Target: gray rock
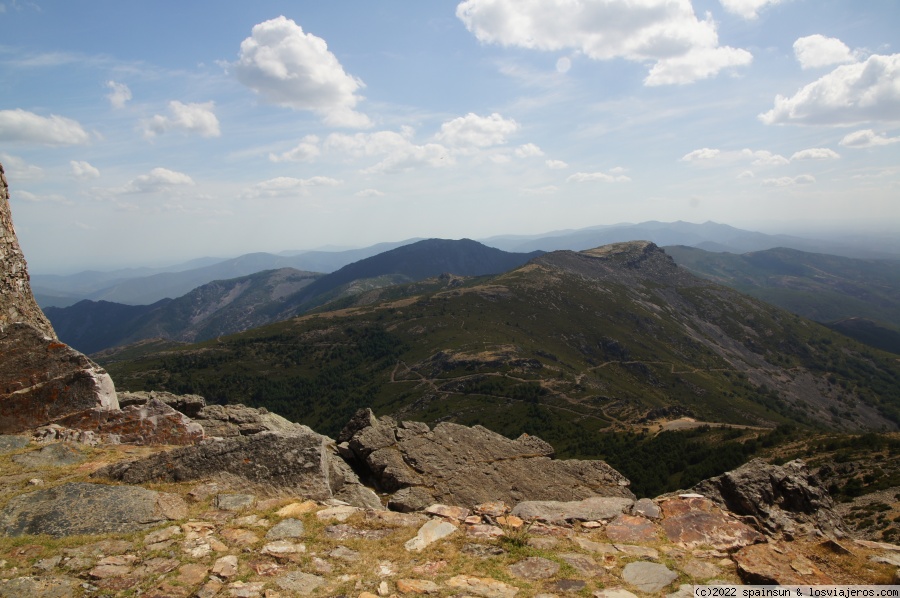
(234,502)
(299,460)
(533,568)
(78,508)
(190,405)
(459,465)
(430,533)
(301,583)
(287,528)
(646,508)
(55,455)
(227,421)
(648,577)
(39,587)
(589,509)
(783,499)
(10,443)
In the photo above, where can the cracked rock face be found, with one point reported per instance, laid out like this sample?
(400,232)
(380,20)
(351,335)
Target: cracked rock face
(459,465)
(41,379)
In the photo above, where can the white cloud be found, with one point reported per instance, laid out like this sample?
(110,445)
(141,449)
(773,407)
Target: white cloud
(701,154)
(83,170)
(369,193)
(305,151)
(814,51)
(664,33)
(614,176)
(563,65)
(816,153)
(296,70)
(556,164)
(867,138)
(396,150)
(34,198)
(868,91)
(746,175)
(715,157)
(28,127)
(189,118)
(764,158)
(119,94)
(786,181)
(158,179)
(288,187)
(529,150)
(18,169)
(747,9)
(477,131)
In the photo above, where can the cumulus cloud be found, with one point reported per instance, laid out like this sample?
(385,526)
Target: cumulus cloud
(28,127)
(477,131)
(747,9)
(188,118)
(529,150)
(814,51)
(288,187)
(397,150)
(816,153)
(305,151)
(369,193)
(548,190)
(615,175)
(715,157)
(83,170)
(664,33)
(18,169)
(556,164)
(867,91)
(158,179)
(786,181)
(867,138)
(294,69)
(119,94)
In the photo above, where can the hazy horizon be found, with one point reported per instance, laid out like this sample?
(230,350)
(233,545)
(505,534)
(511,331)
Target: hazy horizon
(133,135)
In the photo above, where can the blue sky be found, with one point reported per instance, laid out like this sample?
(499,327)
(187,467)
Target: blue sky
(150,132)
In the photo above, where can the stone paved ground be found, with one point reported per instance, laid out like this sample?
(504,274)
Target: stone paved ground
(245,542)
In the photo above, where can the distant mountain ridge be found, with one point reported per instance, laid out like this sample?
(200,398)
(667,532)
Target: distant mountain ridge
(237,304)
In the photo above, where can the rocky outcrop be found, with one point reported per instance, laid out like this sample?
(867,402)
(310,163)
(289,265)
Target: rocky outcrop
(78,508)
(459,465)
(228,421)
(17,303)
(190,405)
(41,379)
(787,500)
(297,460)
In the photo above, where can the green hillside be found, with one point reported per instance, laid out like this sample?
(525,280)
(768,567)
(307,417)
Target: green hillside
(563,347)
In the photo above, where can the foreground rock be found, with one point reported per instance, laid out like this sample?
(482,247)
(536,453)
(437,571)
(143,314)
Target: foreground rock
(459,465)
(782,499)
(298,460)
(78,508)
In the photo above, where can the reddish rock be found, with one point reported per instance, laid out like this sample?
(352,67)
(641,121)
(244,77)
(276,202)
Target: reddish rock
(696,521)
(628,528)
(152,423)
(769,564)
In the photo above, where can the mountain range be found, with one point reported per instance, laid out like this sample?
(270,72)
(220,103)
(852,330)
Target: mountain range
(143,286)
(228,306)
(566,345)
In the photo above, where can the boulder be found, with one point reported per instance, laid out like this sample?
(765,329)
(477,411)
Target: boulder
(228,421)
(777,564)
(589,509)
(190,405)
(79,508)
(43,380)
(695,521)
(784,499)
(151,423)
(459,465)
(299,460)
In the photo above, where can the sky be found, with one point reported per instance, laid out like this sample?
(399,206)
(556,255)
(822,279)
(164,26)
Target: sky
(146,133)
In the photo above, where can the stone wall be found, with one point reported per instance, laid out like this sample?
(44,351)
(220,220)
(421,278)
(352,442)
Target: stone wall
(17,304)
